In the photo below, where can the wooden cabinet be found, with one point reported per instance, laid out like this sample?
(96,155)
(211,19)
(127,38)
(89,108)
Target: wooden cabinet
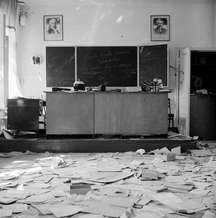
(203,116)
(23,114)
(107,113)
(144,114)
(69,113)
(108,109)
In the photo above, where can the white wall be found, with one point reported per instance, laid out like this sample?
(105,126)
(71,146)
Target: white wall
(2,35)
(94,22)
(2,72)
(214,22)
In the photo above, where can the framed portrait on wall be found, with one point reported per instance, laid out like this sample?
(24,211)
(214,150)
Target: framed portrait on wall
(160,27)
(53,27)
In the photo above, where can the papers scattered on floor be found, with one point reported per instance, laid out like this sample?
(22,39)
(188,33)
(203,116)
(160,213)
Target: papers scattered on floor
(5,213)
(97,207)
(147,175)
(64,210)
(113,184)
(104,177)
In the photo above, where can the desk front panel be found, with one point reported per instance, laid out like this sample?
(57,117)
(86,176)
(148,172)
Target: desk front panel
(69,114)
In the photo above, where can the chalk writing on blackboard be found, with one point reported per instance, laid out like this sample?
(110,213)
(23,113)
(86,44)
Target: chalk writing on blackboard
(114,66)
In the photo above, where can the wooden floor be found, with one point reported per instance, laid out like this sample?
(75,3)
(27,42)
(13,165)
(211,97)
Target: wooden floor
(91,144)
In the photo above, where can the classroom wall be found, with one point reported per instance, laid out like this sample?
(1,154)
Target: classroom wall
(214,22)
(112,22)
(1,61)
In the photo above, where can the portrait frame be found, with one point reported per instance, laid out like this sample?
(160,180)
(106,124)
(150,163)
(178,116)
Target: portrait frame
(160,27)
(53,27)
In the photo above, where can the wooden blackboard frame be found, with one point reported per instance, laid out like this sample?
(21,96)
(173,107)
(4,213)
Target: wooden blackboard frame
(74,76)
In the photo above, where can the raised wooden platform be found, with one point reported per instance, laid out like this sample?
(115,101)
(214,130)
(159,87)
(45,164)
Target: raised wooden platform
(91,145)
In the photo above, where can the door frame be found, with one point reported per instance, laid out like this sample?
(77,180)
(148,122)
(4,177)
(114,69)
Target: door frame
(183,90)
(184,69)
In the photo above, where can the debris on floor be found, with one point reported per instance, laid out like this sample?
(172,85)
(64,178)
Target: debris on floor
(164,183)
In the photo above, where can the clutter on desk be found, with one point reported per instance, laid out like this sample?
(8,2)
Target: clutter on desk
(79,85)
(156,85)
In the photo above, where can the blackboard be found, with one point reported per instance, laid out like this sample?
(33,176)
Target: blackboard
(153,63)
(60,66)
(114,66)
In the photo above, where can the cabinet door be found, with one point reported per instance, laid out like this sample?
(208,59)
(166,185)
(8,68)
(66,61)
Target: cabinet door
(203,116)
(70,113)
(144,114)
(107,113)
(23,114)
(184,91)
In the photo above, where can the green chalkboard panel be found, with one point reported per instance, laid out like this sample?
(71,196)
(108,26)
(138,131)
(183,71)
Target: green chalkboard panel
(60,66)
(115,66)
(153,63)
